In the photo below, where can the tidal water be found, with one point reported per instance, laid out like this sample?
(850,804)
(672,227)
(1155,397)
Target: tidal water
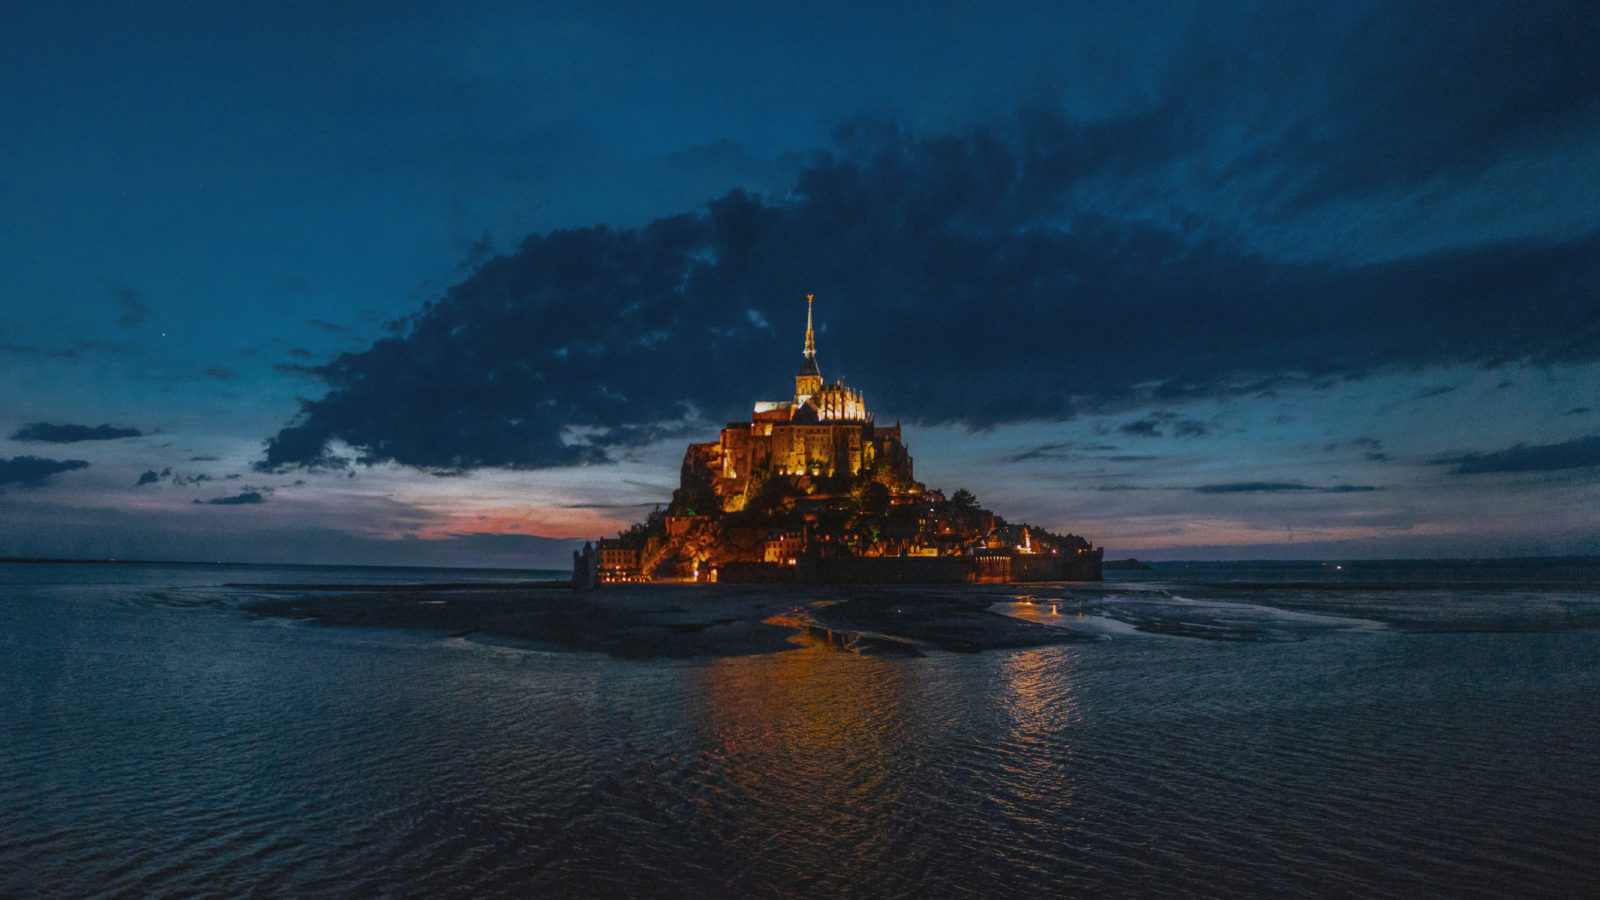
(1270,731)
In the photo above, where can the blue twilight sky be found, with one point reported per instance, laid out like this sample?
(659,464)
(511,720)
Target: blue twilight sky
(455,283)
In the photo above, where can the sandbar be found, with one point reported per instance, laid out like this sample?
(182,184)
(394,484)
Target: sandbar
(676,621)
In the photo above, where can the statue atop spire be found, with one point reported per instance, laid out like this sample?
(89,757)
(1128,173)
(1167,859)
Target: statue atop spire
(811,341)
(809,381)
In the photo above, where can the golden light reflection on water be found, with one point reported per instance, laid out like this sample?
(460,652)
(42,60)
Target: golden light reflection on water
(816,742)
(835,756)
(802,702)
(1035,692)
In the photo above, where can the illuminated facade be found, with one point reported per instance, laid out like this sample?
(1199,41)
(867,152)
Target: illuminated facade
(825,431)
(813,490)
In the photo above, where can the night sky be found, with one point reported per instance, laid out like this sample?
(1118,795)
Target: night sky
(455,283)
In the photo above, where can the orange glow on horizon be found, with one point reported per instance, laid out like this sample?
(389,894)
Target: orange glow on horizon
(534,521)
(1163,534)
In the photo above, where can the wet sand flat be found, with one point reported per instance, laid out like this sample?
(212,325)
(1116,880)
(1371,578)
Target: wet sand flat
(681,621)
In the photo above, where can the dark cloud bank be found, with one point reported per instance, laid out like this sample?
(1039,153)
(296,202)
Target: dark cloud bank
(983,277)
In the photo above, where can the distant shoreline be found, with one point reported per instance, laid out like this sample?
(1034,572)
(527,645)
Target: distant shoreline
(317,565)
(1510,561)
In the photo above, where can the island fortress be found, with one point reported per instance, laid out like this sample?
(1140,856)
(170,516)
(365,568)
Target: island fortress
(825,432)
(813,489)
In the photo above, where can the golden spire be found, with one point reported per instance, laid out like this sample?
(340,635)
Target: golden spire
(811,341)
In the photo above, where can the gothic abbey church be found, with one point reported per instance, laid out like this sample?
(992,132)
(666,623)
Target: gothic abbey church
(825,431)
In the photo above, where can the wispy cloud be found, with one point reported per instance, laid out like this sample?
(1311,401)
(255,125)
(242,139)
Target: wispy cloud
(1140,428)
(1279,487)
(242,499)
(33,471)
(46,432)
(134,310)
(1579,453)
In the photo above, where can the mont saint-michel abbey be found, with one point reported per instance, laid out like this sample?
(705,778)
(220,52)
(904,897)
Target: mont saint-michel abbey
(813,489)
(826,431)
